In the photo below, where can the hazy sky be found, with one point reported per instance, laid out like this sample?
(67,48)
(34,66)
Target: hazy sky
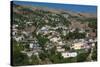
(72,7)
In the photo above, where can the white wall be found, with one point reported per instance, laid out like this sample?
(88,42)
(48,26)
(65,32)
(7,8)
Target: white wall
(5,32)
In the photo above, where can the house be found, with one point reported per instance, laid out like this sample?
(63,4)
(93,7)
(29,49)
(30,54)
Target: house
(60,49)
(55,39)
(93,44)
(43,30)
(91,40)
(93,34)
(25,33)
(34,45)
(72,30)
(18,38)
(82,45)
(78,45)
(46,21)
(95,40)
(66,15)
(14,26)
(64,32)
(60,43)
(81,31)
(14,33)
(87,34)
(31,45)
(69,54)
(29,22)
(87,46)
(36,53)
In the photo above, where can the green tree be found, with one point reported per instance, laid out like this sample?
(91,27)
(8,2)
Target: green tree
(82,57)
(42,40)
(94,54)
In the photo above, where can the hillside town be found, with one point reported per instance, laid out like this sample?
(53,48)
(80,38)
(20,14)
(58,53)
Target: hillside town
(50,36)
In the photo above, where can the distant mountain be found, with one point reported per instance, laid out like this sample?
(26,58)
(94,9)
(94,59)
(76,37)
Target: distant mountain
(73,13)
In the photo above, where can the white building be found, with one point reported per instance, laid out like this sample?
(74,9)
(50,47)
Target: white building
(64,32)
(66,15)
(69,54)
(31,45)
(60,43)
(55,39)
(26,33)
(29,22)
(78,45)
(60,49)
(91,40)
(14,26)
(18,38)
(93,44)
(81,31)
